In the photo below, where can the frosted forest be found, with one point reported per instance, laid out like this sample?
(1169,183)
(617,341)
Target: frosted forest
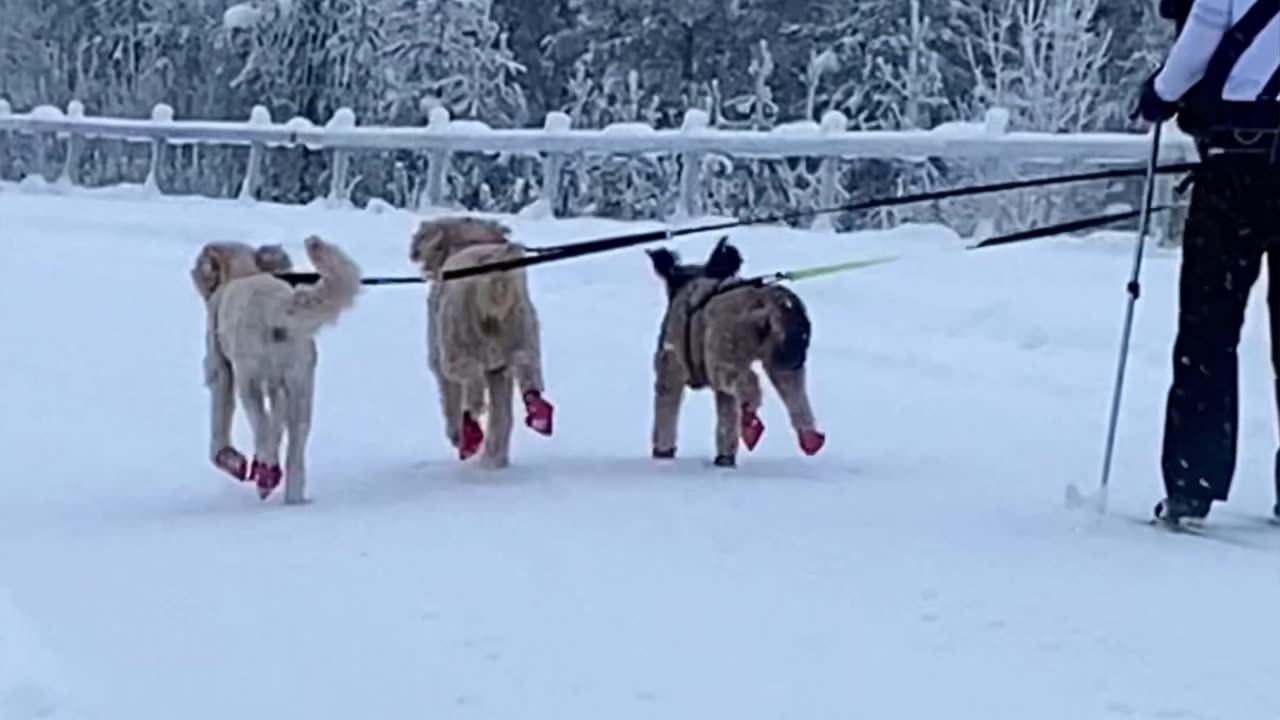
(1054,65)
(973,541)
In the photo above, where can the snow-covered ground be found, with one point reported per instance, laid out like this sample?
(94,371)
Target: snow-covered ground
(923,566)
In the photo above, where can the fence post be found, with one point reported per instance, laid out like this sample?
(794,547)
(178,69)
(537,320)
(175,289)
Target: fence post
(339,189)
(994,169)
(161,113)
(259,117)
(1161,223)
(553,163)
(437,162)
(1168,224)
(689,203)
(834,123)
(6,137)
(75,147)
(41,150)
(548,202)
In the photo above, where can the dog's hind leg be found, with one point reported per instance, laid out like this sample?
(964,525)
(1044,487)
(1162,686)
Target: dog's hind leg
(277,411)
(451,409)
(668,395)
(449,391)
(219,378)
(471,384)
(222,408)
(298,402)
(728,418)
(497,441)
(471,435)
(539,414)
(790,385)
(254,401)
(527,363)
(742,383)
(268,472)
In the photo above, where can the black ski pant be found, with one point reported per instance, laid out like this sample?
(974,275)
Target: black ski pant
(1232,224)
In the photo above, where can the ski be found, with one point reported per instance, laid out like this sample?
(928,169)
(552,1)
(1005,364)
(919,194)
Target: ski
(1216,532)
(1254,522)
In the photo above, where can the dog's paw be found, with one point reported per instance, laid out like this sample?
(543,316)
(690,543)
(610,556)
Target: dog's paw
(725,461)
(232,462)
(811,441)
(540,413)
(660,454)
(472,437)
(752,429)
(267,476)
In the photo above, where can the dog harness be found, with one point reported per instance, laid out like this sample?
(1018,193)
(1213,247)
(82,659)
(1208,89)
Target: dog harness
(697,372)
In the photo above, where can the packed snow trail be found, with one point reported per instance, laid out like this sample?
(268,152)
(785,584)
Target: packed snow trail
(922,566)
(30,687)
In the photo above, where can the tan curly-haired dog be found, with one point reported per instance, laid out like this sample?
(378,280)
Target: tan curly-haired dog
(260,344)
(715,328)
(483,335)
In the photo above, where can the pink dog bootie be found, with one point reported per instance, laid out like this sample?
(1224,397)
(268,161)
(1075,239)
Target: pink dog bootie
(540,413)
(232,462)
(472,437)
(811,441)
(752,429)
(267,476)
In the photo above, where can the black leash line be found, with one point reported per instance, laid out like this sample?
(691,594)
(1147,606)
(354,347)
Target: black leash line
(555,253)
(1044,231)
(591,247)
(876,203)
(1062,228)
(1020,236)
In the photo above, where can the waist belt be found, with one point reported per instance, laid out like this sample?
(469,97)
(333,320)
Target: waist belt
(1257,143)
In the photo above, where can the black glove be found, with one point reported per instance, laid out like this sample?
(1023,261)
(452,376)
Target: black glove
(1152,107)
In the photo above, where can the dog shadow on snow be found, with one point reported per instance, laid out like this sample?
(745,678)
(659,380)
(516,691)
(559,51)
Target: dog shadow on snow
(445,481)
(423,479)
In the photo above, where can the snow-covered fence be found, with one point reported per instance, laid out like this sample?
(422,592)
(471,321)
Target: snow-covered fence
(989,144)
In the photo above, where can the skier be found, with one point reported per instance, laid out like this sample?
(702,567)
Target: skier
(1222,79)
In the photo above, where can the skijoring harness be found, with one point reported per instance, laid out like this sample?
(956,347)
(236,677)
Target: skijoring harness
(699,377)
(1226,127)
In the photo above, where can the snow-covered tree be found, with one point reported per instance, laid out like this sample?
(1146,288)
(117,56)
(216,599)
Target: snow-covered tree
(1056,64)
(454,53)
(1043,60)
(24,67)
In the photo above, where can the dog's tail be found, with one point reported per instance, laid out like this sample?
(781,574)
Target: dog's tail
(792,328)
(335,292)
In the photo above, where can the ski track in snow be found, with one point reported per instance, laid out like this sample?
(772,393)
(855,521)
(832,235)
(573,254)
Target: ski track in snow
(923,566)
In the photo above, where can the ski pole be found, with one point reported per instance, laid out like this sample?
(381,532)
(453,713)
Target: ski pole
(1134,290)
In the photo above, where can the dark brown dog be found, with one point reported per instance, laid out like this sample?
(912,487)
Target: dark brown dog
(716,327)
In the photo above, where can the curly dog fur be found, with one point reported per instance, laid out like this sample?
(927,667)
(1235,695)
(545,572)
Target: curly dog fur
(483,335)
(260,344)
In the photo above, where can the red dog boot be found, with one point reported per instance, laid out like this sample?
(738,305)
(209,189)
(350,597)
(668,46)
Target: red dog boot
(811,441)
(232,462)
(472,437)
(540,413)
(752,428)
(267,477)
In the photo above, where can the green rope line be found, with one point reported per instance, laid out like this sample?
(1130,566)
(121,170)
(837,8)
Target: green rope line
(1032,234)
(832,269)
